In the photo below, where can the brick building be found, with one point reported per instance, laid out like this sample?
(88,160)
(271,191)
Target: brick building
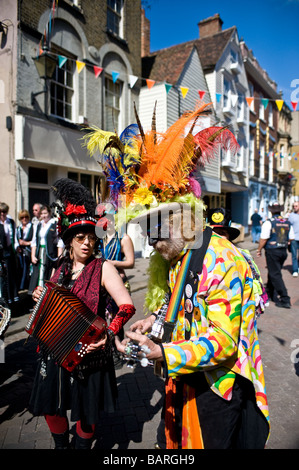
(96,47)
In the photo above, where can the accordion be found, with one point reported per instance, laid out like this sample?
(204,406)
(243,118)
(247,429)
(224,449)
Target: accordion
(64,326)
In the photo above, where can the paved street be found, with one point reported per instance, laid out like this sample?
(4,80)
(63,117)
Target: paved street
(134,424)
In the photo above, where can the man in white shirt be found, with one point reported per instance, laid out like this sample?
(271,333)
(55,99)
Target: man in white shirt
(276,234)
(294,220)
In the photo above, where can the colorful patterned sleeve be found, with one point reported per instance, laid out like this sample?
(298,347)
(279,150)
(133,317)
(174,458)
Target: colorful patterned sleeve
(225,286)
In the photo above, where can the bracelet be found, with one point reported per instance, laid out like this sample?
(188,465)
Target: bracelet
(155,315)
(110,334)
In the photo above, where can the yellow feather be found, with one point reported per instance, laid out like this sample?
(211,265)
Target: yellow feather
(96,140)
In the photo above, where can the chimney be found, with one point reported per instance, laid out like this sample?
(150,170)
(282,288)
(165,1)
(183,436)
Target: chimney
(145,35)
(210,26)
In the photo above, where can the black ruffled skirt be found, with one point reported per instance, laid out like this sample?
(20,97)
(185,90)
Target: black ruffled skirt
(86,393)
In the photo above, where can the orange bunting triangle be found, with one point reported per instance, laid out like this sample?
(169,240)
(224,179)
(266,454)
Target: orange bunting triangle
(80,65)
(184,91)
(150,83)
(279,104)
(249,100)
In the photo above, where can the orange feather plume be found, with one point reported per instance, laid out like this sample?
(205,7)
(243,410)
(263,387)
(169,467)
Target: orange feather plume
(165,161)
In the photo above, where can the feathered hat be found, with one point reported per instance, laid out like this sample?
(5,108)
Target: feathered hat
(75,208)
(220,218)
(147,171)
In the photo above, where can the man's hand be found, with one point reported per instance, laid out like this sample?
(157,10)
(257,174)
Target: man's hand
(154,353)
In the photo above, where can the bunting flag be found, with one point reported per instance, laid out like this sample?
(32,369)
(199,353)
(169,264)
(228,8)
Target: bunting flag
(168,87)
(279,104)
(115,76)
(80,65)
(184,91)
(265,102)
(61,60)
(249,100)
(132,80)
(97,71)
(150,83)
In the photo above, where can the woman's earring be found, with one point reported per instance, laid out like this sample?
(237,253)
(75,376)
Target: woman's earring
(71,253)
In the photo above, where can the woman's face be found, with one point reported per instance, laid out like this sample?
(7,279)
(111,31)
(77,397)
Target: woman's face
(83,245)
(45,215)
(24,220)
(3,215)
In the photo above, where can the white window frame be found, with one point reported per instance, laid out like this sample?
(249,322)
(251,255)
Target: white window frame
(270,115)
(69,65)
(117,85)
(251,154)
(270,179)
(262,160)
(261,109)
(226,93)
(115,10)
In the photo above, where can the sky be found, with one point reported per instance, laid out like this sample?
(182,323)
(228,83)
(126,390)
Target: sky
(270,28)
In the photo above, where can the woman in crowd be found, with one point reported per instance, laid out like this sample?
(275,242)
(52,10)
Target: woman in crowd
(45,249)
(120,252)
(91,387)
(24,234)
(9,255)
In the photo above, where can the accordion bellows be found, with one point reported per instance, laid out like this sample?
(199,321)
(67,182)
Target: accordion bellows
(64,326)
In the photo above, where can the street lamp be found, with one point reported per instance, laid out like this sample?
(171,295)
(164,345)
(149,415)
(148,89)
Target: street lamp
(45,64)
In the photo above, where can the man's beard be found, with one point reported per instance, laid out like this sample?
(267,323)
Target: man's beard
(170,248)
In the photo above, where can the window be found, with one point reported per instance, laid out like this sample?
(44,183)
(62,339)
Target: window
(281,156)
(114,16)
(112,104)
(262,109)
(270,118)
(38,175)
(270,176)
(73,176)
(240,109)
(234,56)
(61,91)
(82,178)
(251,155)
(226,93)
(262,160)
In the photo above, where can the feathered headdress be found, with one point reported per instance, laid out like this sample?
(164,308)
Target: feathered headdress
(74,206)
(151,168)
(148,171)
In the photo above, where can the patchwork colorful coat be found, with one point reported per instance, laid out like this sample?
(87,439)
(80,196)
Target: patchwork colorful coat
(223,332)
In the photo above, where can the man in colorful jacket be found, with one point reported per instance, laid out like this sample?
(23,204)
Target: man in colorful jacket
(214,383)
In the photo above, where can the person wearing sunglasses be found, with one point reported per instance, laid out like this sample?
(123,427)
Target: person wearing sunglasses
(91,387)
(24,234)
(46,247)
(9,254)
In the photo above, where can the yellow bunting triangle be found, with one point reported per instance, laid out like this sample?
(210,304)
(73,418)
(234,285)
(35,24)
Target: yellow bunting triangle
(279,104)
(184,91)
(80,65)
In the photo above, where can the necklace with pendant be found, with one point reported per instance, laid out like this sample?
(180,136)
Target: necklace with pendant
(79,271)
